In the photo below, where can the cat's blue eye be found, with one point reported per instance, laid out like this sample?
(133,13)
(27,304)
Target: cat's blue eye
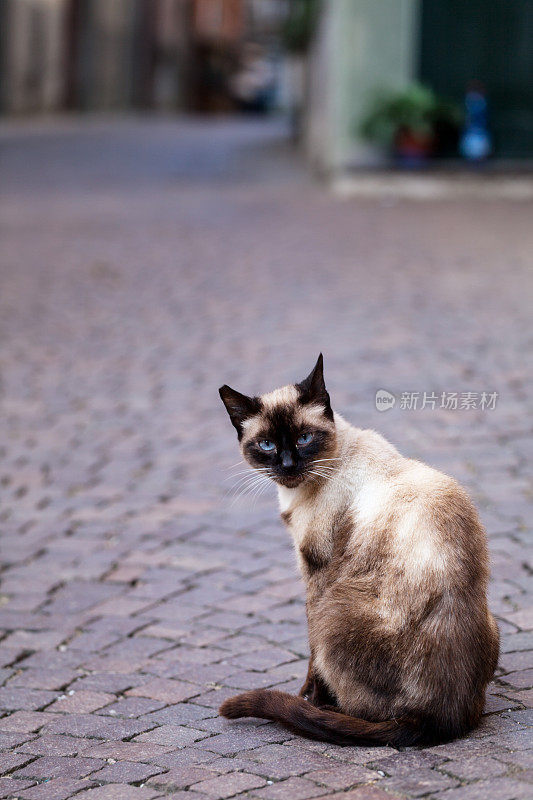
(304,438)
(267,445)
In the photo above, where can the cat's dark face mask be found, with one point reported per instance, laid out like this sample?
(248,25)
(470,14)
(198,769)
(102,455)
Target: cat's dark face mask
(288,434)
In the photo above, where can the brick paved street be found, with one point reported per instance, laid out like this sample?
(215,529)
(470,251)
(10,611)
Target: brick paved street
(143,265)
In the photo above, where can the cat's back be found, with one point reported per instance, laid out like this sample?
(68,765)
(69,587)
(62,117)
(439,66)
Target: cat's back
(423,520)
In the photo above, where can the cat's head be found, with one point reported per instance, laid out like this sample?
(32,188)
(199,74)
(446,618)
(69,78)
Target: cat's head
(288,431)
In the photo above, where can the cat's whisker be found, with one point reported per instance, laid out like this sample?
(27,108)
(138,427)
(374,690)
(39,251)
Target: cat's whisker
(260,483)
(331,475)
(242,483)
(328,470)
(260,491)
(244,477)
(330,478)
(240,494)
(246,472)
(246,480)
(255,469)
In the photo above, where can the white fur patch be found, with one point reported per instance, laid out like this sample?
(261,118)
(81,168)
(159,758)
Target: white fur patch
(416,543)
(372,500)
(286,497)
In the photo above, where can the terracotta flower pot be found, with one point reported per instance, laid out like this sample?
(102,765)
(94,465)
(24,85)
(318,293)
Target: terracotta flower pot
(413,147)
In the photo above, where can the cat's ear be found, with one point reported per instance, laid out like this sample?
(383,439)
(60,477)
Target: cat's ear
(238,406)
(313,388)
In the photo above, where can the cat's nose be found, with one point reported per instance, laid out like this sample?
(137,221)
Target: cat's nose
(286,459)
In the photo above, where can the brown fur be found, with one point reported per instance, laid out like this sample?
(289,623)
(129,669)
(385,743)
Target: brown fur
(395,563)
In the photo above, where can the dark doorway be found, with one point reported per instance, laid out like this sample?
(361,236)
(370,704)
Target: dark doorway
(490,41)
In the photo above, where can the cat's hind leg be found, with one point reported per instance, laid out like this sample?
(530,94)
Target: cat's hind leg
(308,684)
(315,690)
(321,695)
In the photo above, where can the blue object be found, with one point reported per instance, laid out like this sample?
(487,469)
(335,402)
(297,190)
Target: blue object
(476,144)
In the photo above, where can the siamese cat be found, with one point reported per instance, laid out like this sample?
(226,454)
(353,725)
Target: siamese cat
(395,564)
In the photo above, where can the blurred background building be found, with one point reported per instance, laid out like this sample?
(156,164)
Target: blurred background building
(324,62)
(101,55)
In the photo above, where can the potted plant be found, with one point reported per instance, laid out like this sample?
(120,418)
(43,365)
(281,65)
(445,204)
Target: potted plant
(414,123)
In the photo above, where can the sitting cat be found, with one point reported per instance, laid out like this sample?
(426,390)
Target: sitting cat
(395,564)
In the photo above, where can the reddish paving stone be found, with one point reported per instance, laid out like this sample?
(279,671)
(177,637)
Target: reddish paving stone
(367,793)
(108,682)
(56,789)
(495,703)
(402,763)
(33,640)
(522,759)
(168,691)
(419,783)
(126,751)
(172,736)
(295,788)
(228,785)
(180,777)
(516,642)
(474,768)
(279,762)
(8,740)
(95,726)
(26,699)
(522,716)
(512,662)
(496,789)
(117,791)
(189,795)
(59,767)
(523,679)
(342,776)
(522,619)
(132,707)
(214,698)
(524,697)
(241,738)
(126,772)
(186,713)
(51,745)
(11,788)
(81,702)
(43,678)
(24,721)
(186,757)
(9,762)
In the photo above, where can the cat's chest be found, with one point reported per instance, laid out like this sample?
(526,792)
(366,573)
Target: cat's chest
(300,513)
(310,524)
(286,498)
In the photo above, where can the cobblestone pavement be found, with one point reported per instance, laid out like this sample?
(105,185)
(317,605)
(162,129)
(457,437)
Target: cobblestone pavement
(144,264)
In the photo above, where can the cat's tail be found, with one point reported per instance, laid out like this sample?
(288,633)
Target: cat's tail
(301,717)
